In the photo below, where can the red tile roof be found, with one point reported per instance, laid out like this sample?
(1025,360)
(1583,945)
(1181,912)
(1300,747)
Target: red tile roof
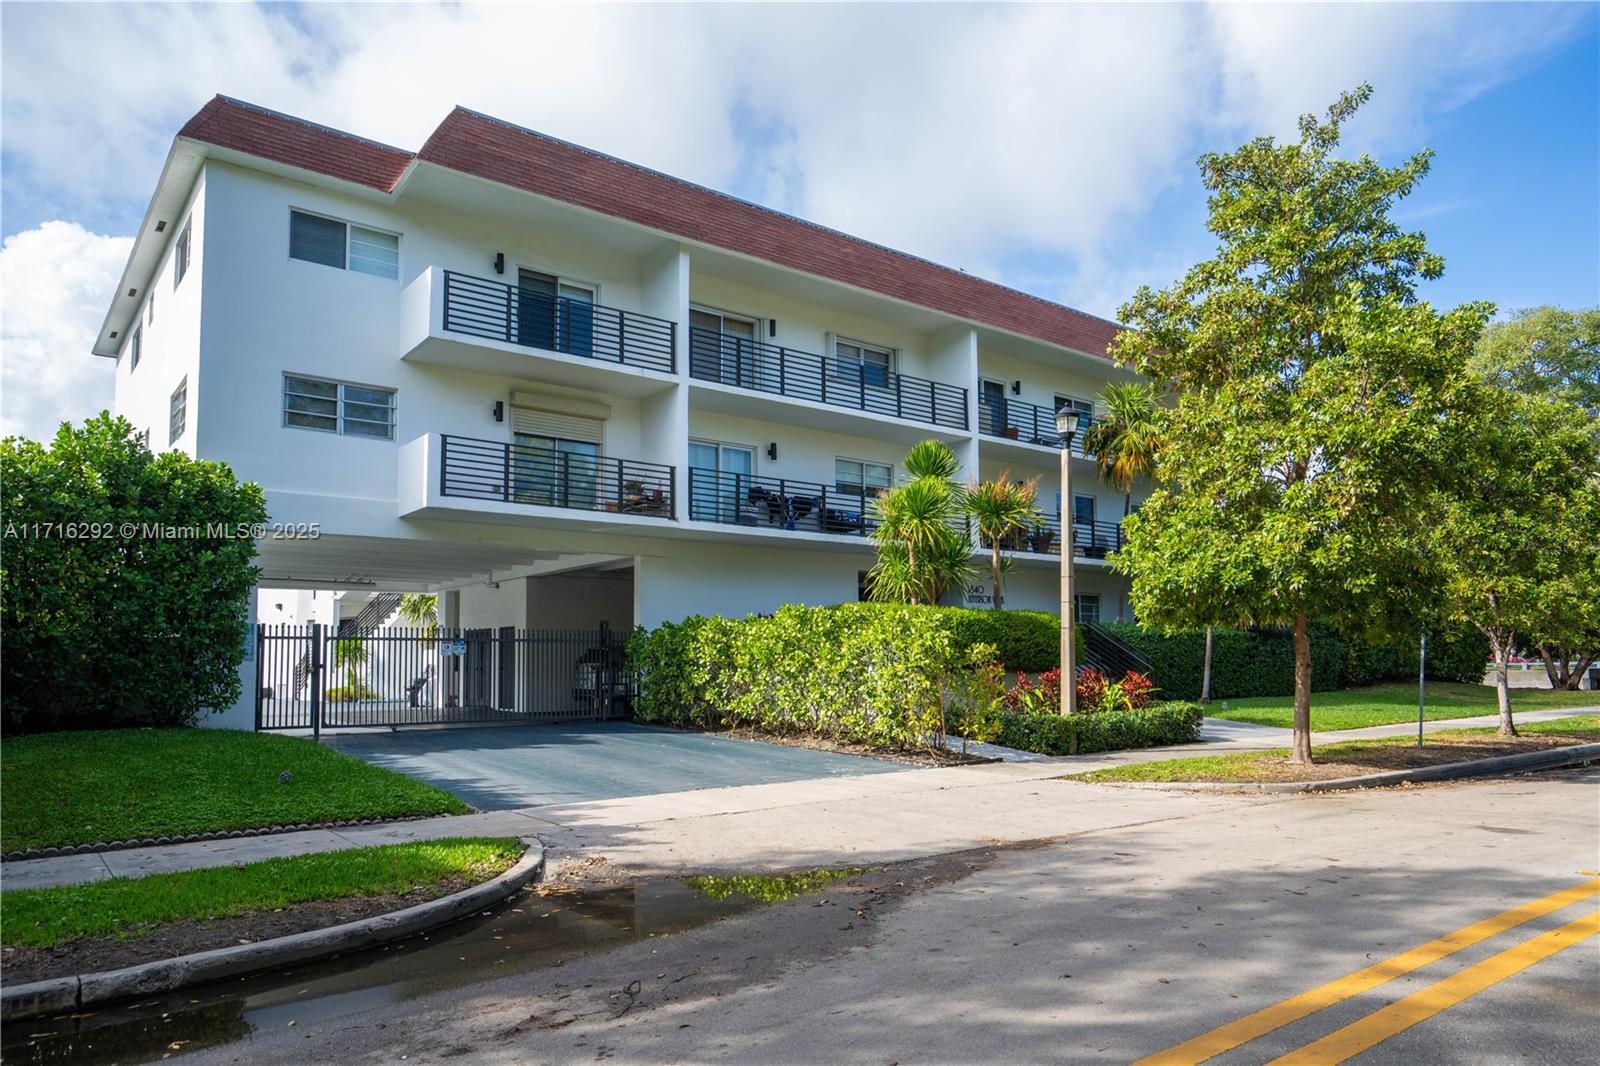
(283,139)
(489,148)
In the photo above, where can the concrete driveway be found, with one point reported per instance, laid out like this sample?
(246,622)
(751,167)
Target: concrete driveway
(504,767)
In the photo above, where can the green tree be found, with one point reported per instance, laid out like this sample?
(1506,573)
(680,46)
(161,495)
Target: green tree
(1313,395)
(349,655)
(140,617)
(1547,350)
(421,610)
(1001,508)
(1125,442)
(921,550)
(1519,545)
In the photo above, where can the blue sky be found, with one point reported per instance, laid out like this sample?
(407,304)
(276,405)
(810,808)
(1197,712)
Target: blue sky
(1049,147)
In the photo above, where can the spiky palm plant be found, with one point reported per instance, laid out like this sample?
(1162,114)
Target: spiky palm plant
(1000,507)
(920,551)
(421,610)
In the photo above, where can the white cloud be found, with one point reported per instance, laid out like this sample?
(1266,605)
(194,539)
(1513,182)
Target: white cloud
(54,282)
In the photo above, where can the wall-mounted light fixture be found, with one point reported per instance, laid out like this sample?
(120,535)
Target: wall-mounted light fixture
(499,410)
(499,262)
(772,327)
(772,451)
(1016,388)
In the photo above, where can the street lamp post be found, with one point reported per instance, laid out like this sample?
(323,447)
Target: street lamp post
(1067,426)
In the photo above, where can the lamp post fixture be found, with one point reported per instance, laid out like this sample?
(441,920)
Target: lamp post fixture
(1067,425)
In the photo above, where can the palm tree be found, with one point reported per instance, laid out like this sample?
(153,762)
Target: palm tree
(920,551)
(1000,507)
(421,610)
(1126,445)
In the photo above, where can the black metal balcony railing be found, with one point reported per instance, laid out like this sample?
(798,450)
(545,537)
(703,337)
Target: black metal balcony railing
(516,473)
(1093,540)
(777,503)
(751,364)
(480,307)
(1026,422)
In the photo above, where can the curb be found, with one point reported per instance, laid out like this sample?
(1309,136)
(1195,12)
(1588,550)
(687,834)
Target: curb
(1552,759)
(29,854)
(60,994)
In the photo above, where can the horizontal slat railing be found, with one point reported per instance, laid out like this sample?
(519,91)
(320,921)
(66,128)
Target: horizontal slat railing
(1028,423)
(515,473)
(1094,540)
(749,364)
(480,307)
(777,503)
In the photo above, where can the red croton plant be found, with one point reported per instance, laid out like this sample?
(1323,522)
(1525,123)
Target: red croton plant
(1096,692)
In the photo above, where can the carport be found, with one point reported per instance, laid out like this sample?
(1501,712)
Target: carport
(511,766)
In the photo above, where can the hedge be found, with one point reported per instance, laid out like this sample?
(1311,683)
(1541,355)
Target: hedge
(1260,662)
(1160,724)
(1026,640)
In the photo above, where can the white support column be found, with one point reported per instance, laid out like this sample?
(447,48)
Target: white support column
(242,714)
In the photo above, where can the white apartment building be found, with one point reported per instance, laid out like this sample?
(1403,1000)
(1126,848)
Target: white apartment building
(560,389)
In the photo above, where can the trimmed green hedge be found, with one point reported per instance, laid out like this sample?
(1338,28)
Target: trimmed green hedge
(867,673)
(1260,662)
(1160,724)
(1026,640)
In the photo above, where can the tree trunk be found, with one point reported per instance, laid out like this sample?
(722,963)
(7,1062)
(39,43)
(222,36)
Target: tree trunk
(1302,689)
(994,562)
(1205,675)
(1556,674)
(1502,684)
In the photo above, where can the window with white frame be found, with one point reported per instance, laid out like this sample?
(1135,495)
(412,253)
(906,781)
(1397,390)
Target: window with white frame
(135,348)
(858,477)
(866,363)
(1087,606)
(338,407)
(343,245)
(180,256)
(1084,406)
(177,413)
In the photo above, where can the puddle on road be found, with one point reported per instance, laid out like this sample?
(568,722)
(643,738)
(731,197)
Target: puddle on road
(527,932)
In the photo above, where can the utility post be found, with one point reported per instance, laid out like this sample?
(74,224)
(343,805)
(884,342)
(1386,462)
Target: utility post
(1067,427)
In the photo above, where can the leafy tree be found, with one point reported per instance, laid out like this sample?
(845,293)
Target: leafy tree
(420,609)
(1000,508)
(1547,350)
(1519,545)
(141,618)
(1125,443)
(1313,397)
(921,550)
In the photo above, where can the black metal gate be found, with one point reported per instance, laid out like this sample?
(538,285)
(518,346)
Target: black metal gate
(308,677)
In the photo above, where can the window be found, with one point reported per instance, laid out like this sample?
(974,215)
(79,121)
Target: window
(176,413)
(862,362)
(857,477)
(135,348)
(180,257)
(150,309)
(144,438)
(1087,607)
(719,479)
(338,407)
(722,347)
(337,244)
(554,314)
(1082,509)
(1086,406)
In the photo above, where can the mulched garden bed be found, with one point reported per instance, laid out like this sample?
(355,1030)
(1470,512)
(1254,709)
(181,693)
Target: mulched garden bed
(93,954)
(910,758)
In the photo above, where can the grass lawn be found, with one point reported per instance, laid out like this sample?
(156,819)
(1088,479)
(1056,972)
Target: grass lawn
(1386,704)
(94,787)
(134,906)
(1352,758)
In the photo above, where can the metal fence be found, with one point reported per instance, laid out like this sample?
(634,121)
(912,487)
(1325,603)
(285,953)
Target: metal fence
(519,473)
(399,676)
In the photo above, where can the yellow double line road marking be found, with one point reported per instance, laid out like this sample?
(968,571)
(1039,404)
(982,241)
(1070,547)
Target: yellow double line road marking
(1401,1015)
(1251,1026)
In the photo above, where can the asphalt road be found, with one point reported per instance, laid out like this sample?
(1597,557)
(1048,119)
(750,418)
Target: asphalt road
(1109,946)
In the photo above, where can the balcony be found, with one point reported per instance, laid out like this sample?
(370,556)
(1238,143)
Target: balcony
(1092,540)
(749,364)
(776,503)
(488,326)
(473,469)
(1026,423)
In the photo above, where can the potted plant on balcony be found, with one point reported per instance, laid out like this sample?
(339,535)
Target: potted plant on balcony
(1040,537)
(1010,432)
